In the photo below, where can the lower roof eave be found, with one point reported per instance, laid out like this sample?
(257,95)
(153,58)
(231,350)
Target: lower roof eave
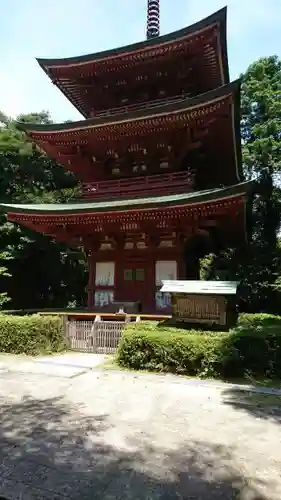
(191,200)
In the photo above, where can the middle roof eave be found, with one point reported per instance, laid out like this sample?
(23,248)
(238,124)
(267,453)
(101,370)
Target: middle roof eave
(231,88)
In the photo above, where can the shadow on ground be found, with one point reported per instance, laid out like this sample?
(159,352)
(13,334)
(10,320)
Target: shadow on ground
(49,450)
(266,406)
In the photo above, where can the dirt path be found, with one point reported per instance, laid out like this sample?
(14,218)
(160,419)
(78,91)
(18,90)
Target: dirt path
(106,435)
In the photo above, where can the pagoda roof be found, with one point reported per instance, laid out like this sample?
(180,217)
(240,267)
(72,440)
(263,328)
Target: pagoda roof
(65,71)
(218,17)
(96,136)
(136,115)
(120,205)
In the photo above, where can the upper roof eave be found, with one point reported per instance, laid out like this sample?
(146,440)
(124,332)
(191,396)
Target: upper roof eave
(195,198)
(233,87)
(218,17)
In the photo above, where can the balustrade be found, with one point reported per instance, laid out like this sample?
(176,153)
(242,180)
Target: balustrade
(140,106)
(168,183)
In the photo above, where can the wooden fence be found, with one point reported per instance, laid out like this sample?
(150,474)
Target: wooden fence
(94,336)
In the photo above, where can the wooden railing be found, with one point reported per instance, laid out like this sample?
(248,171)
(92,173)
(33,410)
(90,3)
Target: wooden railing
(95,336)
(168,183)
(123,108)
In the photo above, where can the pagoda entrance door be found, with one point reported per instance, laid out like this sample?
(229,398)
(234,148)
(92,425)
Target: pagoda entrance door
(132,281)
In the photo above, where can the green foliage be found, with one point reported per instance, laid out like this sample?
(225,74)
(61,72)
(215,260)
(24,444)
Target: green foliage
(31,334)
(261,133)
(29,176)
(258,265)
(262,319)
(144,346)
(252,349)
(4,256)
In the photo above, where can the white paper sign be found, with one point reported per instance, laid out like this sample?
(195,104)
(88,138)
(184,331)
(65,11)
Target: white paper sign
(162,300)
(105,273)
(103,298)
(165,270)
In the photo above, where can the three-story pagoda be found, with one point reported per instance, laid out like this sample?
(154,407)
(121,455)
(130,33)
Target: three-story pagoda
(158,156)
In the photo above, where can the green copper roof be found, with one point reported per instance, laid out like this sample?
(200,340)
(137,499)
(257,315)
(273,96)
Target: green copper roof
(200,287)
(131,204)
(153,111)
(218,17)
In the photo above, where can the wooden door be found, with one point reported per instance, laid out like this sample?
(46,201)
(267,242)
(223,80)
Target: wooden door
(133,281)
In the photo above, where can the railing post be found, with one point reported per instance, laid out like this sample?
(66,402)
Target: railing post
(65,322)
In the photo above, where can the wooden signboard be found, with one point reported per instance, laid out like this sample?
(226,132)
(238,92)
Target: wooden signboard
(196,308)
(208,303)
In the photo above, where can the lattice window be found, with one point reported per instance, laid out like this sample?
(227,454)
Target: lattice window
(134,274)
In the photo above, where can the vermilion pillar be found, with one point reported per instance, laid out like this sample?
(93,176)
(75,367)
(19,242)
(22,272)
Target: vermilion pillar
(91,280)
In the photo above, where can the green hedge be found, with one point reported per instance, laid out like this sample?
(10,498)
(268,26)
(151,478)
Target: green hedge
(261,319)
(31,334)
(253,349)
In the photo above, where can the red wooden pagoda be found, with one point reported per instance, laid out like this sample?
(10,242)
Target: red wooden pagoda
(158,157)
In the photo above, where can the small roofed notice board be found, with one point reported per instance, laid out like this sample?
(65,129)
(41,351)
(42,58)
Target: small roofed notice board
(203,302)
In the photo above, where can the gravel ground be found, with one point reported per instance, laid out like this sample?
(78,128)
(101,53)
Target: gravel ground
(104,435)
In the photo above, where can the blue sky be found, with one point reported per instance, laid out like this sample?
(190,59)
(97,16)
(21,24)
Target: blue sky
(63,28)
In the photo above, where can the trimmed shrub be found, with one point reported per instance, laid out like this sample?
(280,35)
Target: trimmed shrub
(261,319)
(34,334)
(246,351)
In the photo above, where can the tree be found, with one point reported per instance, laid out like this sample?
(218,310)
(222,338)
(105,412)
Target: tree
(29,176)
(258,266)
(4,118)
(261,136)
(4,256)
